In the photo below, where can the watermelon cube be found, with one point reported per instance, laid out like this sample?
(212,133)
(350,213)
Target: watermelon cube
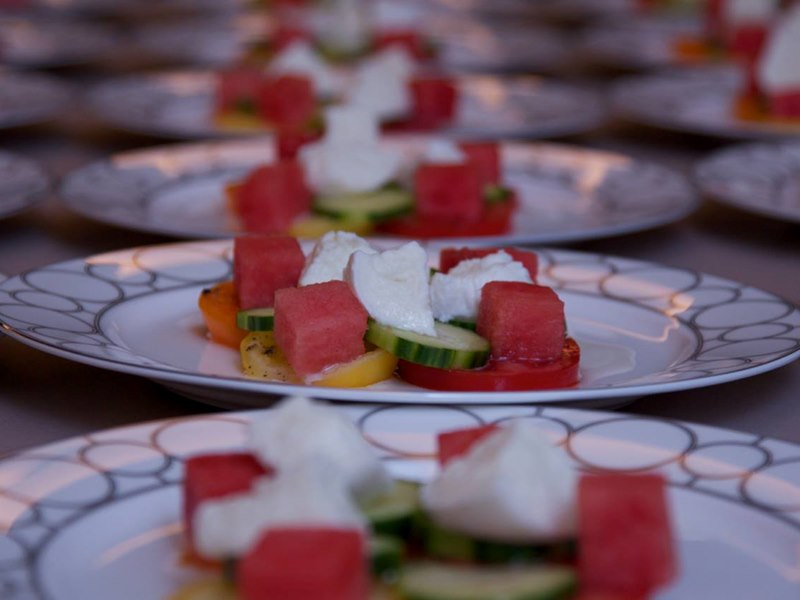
(450,257)
(287,100)
(237,89)
(272,197)
(319,325)
(625,543)
(452,444)
(433,101)
(263,264)
(305,564)
(406,39)
(785,105)
(448,190)
(522,321)
(485,157)
(212,476)
(289,140)
(285,35)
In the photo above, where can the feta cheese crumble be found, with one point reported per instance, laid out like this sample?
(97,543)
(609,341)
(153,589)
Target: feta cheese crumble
(512,486)
(457,293)
(349,157)
(300,430)
(393,287)
(299,58)
(308,494)
(330,256)
(779,67)
(381,84)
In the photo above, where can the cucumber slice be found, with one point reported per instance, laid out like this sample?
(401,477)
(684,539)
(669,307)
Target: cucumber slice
(471,325)
(386,557)
(256,319)
(445,544)
(393,513)
(439,581)
(452,348)
(494,194)
(381,204)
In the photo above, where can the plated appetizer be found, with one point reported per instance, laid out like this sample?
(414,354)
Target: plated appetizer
(309,511)
(346,180)
(349,315)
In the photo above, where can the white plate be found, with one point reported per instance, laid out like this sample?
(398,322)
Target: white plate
(694,101)
(26,99)
(760,178)
(463,43)
(22,183)
(179,104)
(640,43)
(643,328)
(51,43)
(98,517)
(565,193)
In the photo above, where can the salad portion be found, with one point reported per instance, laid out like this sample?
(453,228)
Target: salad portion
(348,180)
(308,511)
(350,315)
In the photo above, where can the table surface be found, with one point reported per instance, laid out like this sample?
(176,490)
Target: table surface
(44,398)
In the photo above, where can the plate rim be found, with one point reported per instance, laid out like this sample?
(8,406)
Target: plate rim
(264,390)
(670,214)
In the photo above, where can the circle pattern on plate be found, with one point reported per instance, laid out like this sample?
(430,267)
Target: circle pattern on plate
(740,332)
(49,491)
(180,105)
(761,178)
(565,193)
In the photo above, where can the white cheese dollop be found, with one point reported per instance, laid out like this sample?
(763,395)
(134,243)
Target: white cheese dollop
(300,430)
(381,84)
(308,494)
(457,293)
(441,151)
(300,58)
(740,12)
(330,256)
(349,157)
(512,486)
(779,66)
(393,287)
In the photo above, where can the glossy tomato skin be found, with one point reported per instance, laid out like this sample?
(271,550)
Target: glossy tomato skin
(499,375)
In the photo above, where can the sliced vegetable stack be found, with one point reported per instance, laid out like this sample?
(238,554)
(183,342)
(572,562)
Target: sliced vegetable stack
(506,518)
(348,315)
(345,179)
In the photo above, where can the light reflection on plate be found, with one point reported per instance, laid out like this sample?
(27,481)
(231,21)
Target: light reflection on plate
(98,517)
(135,311)
(566,193)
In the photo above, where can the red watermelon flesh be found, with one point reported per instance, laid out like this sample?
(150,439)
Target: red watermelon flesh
(448,190)
(485,157)
(785,105)
(272,197)
(625,543)
(450,257)
(452,444)
(212,476)
(407,39)
(305,564)
(522,321)
(237,87)
(433,101)
(289,140)
(263,264)
(319,325)
(287,100)
(285,35)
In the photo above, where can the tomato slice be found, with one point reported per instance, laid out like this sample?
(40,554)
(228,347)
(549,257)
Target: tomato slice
(496,220)
(499,375)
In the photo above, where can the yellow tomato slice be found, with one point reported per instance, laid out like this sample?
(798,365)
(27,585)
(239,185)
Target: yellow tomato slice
(263,359)
(371,367)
